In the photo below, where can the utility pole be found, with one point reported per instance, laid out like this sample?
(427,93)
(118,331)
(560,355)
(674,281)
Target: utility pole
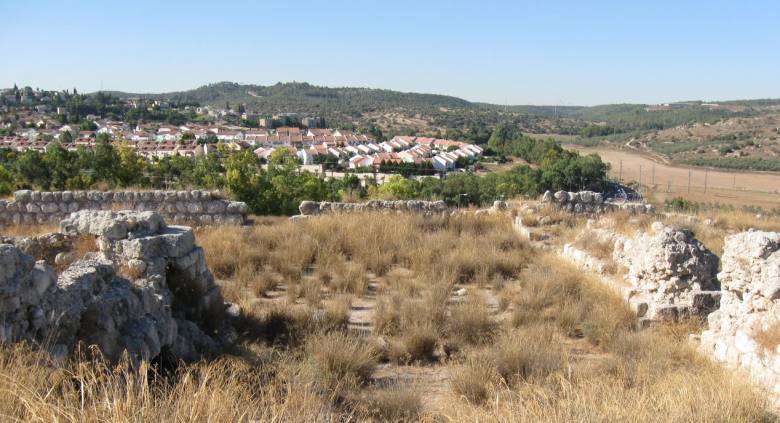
(640,176)
(689,181)
(705,180)
(620,174)
(653,174)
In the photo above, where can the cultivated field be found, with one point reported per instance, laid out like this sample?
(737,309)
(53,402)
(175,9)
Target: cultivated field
(399,317)
(666,181)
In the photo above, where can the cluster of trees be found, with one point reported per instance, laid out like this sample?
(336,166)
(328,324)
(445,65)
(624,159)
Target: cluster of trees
(279,188)
(558,168)
(462,188)
(107,166)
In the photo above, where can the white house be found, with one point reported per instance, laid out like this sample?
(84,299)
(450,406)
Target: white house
(443,163)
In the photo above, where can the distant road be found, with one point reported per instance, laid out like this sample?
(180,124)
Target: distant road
(727,187)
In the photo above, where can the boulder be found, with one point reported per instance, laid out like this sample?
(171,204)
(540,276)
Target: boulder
(308,208)
(561,197)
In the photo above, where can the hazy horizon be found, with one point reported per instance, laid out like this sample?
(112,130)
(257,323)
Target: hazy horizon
(498,52)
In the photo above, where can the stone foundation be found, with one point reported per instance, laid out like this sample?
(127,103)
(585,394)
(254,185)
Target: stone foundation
(589,202)
(197,207)
(312,208)
(749,309)
(668,273)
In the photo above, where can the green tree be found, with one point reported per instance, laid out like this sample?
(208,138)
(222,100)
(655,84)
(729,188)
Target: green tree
(32,170)
(105,160)
(397,188)
(130,167)
(6,181)
(60,164)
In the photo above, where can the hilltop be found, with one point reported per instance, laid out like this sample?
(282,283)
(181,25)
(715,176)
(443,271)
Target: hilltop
(304,97)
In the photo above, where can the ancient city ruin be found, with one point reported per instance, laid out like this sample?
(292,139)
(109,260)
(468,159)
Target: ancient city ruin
(146,290)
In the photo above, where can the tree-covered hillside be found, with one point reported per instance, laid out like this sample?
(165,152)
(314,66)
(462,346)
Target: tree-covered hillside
(642,116)
(304,97)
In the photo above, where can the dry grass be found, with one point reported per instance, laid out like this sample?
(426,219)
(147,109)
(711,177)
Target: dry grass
(416,344)
(395,404)
(554,291)
(28,230)
(565,349)
(336,364)
(471,323)
(528,354)
(599,248)
(769,338)
(474,380)
(542,371)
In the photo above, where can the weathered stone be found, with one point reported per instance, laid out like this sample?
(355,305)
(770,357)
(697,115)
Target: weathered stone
(23,196)
(216,206)
(237,207)
(90,303)
(308,208)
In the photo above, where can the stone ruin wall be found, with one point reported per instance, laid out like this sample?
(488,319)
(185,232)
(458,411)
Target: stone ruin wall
(668,274)
(196,207)
(671,275)
(590,202)
(147,291)
(749,308)
(313,208)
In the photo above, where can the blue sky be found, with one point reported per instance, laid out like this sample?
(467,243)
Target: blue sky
(515,52)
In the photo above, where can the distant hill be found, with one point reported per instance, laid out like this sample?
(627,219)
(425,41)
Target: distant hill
(402,111)
(304,97)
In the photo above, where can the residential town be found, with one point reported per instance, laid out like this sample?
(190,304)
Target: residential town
(37,126)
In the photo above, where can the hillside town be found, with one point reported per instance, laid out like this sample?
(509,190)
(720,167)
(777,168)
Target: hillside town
(31,122)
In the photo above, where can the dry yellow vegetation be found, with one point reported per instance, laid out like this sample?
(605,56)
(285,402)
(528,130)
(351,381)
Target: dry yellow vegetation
(464,322)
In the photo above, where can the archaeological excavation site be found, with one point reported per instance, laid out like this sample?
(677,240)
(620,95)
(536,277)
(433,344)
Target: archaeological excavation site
(181,306)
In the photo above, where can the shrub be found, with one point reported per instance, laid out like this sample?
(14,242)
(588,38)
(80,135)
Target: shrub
(393,404)
(528,355)
(337,363)
(474,380)
(471,322)
(416,343)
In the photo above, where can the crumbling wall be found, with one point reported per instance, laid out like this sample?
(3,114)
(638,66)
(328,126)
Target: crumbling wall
(672,274)
(147,291)
(590,202)
(311,208)
(745,330)
(200,207)
(668,273)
